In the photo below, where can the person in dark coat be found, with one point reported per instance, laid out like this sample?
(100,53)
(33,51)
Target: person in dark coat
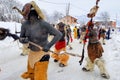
(108,33)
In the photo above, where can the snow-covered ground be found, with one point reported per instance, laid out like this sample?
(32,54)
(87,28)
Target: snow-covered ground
(12,64)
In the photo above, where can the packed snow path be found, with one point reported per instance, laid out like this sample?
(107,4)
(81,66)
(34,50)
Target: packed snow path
(12,64)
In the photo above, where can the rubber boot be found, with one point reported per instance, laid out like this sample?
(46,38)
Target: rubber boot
(29,73)
(40,72)
(102,69)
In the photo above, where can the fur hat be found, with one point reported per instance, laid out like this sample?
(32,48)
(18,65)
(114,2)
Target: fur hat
(37,9)
(92,12)
(61,26)
(29,7)
(26,10)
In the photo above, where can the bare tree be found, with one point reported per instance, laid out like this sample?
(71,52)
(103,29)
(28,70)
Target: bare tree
(105,17)
(6,11)
(8,14)
(47,17)
(56,16)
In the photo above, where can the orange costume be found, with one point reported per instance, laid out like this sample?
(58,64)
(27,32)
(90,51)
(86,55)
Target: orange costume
(60,48)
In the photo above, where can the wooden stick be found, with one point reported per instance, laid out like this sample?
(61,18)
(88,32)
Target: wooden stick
(72,54)
(18,10)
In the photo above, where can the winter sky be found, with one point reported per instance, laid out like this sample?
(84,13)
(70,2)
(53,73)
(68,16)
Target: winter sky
(78,7)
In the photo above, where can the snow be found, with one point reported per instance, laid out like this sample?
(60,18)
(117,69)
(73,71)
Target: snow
(12,64)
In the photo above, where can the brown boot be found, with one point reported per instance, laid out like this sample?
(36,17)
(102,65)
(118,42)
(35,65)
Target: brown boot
(41,70)
(63,59)
(28,74)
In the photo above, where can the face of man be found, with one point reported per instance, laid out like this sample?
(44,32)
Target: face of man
(33,16)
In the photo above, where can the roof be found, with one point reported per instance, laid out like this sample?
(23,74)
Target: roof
(70,16)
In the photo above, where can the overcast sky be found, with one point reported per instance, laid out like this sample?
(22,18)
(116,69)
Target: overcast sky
(78,7)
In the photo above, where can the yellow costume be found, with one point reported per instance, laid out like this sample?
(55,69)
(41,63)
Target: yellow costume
(75,32)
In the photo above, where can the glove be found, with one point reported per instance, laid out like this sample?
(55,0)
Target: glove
(46,48)
(24,40)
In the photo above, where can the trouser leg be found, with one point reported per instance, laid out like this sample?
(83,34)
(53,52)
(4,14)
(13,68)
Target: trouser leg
(40,68)
(89,66)
(101,66)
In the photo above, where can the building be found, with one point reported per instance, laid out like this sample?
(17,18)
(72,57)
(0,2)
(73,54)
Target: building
(110,23)
(113,24)
(69,20)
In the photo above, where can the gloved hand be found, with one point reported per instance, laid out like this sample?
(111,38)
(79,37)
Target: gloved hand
(46,48)
(24,40)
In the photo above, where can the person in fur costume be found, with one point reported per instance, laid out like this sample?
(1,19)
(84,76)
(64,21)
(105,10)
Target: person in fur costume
(102,35)
(95,51)
(36,30)
(69,36)
(83,33)
(60,48)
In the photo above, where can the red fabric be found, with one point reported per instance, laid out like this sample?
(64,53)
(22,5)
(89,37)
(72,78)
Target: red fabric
(99,36)
(90,24)
(60,44)
(86,36)
(71,39)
